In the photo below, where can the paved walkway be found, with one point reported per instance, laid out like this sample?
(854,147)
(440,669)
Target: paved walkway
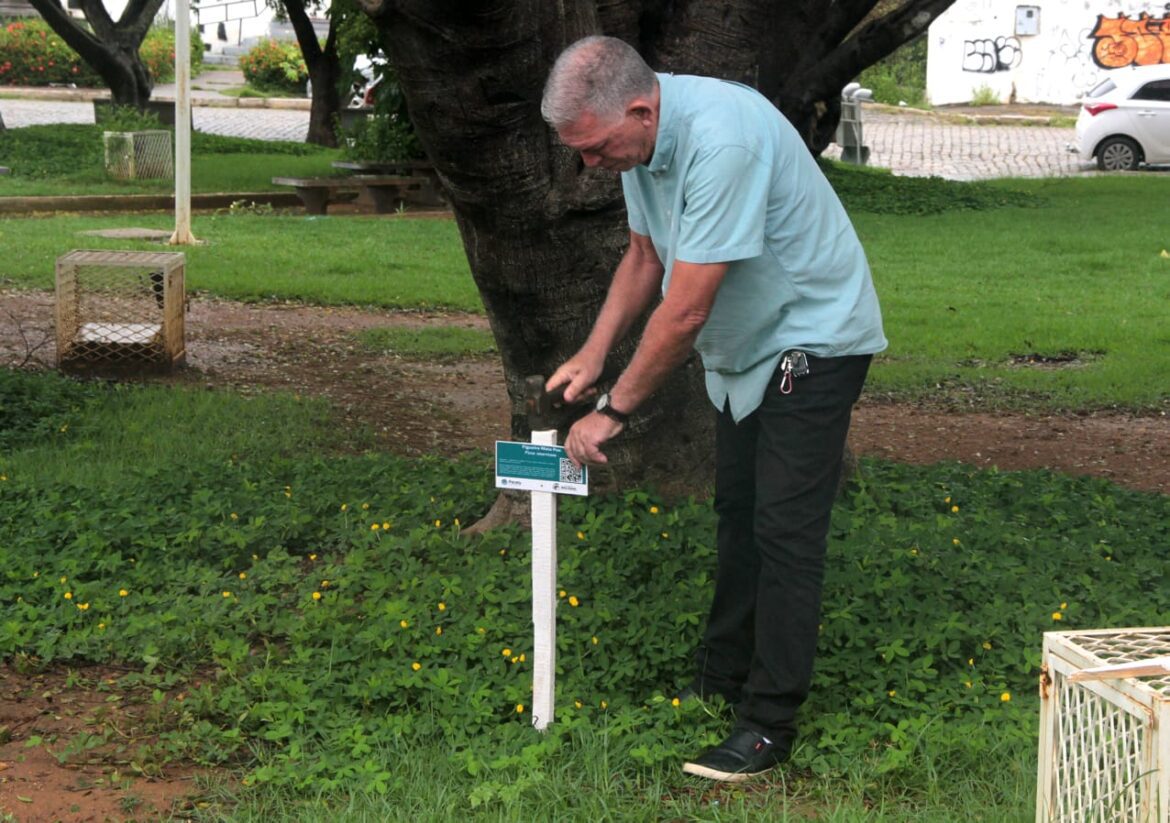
(906,142)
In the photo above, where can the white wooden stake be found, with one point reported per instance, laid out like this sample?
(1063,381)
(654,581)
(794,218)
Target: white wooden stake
(544,597)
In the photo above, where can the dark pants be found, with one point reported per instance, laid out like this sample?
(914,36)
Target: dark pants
(776,478)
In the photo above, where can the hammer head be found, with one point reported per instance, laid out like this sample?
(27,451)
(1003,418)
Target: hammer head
(541,405)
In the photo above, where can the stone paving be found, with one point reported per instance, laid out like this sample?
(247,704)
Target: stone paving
(907,143)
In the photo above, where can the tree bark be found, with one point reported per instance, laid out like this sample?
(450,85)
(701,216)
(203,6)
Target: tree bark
(543,233)
(111,49)
(324,67)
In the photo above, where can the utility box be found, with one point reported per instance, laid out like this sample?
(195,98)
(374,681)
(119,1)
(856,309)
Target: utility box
(120,311)
(138,155)
(1104,736)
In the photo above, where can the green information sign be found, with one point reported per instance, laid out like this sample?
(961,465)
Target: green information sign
(533,467)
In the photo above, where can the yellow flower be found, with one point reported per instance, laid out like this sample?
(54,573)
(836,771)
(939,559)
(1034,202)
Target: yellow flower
(987,645)
(1057,616)
(946,499)
(101,627)
(324,584)
(561,593)
(456,522)
(675,702)
(227,594)
(522,658)
(595,640)
(416,665)
(316,595)
(665,534)
(914,552)
(243,575)
(515,660)
(404,624)
(345,507)
(375,526)
(954,509)
(967,683)
(604,705)
(386,525)
(1005,697)
(970,661)
(123,593)
(503,552)
(1064,605)
(442,607)
(64,579)
(234,516)
(438,629)
(506,652)
(955,541)
(578,704)
(83,606)
(653,510)
(3,478)
(480,630)
(574,602)
(580,535)
(365,506)
(438,524)
(892,692)
(519,708)
(68,595)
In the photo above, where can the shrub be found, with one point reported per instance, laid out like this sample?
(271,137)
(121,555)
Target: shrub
(274,65)
(35,55)
(900,77)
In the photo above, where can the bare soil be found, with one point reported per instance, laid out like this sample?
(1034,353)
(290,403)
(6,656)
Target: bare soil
(420,406)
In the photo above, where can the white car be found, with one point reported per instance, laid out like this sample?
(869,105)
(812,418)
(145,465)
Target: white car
(1125,119)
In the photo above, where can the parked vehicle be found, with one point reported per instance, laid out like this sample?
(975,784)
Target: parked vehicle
(367,75)
(1125,120)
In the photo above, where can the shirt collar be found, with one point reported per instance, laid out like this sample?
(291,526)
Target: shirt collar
(667,137)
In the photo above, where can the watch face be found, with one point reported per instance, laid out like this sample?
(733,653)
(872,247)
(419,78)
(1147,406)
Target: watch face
(603,402)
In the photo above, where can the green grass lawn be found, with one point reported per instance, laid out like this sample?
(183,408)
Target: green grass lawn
(68,159)
(345,654)
(1047,292)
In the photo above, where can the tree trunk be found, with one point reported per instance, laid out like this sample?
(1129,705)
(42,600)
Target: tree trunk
(324,67)
(543,233)
(111,49)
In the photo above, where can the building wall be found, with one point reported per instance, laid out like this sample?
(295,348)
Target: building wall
(1040,51)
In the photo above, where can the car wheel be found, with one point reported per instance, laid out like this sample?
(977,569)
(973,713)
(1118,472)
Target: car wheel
(1118,154)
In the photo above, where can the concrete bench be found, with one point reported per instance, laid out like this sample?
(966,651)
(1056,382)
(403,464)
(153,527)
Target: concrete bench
(381,191)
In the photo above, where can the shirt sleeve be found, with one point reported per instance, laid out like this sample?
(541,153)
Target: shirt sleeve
(635,212)
(726,201)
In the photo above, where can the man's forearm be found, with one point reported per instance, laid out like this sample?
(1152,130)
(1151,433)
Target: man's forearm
(636,283)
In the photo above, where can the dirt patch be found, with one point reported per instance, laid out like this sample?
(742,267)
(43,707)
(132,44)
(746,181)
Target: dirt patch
(420,406)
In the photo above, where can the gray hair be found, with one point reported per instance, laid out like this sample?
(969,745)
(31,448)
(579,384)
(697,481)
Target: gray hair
(596,74)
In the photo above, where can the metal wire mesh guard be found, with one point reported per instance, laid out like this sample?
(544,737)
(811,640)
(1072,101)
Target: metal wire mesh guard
(134,155)
(119,308)
(1104,744)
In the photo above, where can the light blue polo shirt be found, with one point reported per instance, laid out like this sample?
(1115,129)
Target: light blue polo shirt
(730,181)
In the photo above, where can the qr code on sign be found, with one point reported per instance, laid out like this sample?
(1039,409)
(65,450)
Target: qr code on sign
(570,473)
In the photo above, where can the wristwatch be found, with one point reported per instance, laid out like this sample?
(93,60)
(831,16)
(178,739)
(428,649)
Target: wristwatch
(604,406)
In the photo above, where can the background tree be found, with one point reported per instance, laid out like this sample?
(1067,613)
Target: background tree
(542,232)
(324,64)
(110,48)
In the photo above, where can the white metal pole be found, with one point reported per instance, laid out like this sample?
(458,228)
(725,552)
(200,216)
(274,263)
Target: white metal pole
(182,235)
(544,597)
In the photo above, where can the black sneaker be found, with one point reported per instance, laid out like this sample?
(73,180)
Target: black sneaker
(744,754)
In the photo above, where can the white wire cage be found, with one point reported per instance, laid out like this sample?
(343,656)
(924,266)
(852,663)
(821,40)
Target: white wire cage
(138,155)
(120,310)
(1104,743)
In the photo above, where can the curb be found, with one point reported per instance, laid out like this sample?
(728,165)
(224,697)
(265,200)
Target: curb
(139,202)
(84,95)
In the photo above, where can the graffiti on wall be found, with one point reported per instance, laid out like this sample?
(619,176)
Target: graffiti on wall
(1122,41)
(989,56)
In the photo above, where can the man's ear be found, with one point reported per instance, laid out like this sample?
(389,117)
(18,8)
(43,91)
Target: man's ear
(644,110)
